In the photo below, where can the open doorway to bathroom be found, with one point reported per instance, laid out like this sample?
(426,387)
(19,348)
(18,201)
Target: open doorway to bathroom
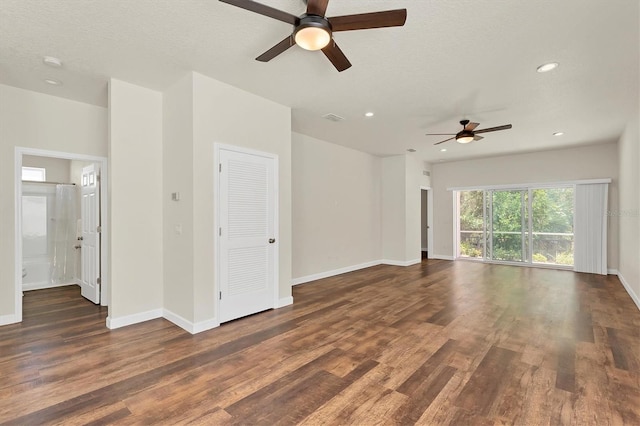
(60,224)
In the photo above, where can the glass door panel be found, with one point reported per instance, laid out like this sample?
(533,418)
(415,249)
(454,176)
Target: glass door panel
(552,226)
(508,224)
(471,238)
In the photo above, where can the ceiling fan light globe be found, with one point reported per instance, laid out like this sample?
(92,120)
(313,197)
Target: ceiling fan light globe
(465,137)
(312,38)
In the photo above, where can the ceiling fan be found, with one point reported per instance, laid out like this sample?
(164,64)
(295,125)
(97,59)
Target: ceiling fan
(314,31)
(468,132)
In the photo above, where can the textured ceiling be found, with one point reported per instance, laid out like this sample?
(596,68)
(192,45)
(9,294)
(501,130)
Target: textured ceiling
(453,59)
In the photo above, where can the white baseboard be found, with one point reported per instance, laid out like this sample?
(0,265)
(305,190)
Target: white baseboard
(425,249)
(189,326)
(401,262)
(205,325)
(285,301)
(613,272)
(8,319)
(113,323)
(181,322)
(632,293)
(42,285)
(441,257)
(333,273)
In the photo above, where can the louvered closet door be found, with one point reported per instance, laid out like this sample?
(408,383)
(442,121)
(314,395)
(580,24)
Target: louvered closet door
(247,239)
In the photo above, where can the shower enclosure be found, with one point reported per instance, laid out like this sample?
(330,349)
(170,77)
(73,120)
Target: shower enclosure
(49,233)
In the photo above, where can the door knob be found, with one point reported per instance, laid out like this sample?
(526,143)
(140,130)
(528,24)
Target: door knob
(272,240)
(80,238)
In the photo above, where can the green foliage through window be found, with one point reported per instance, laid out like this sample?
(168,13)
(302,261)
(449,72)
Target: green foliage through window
(510,217)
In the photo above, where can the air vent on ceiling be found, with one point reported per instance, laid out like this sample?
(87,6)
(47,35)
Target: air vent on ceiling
(333,117)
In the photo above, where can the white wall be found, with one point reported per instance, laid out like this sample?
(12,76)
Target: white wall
(135,200)
(225,114)
(402,179)
(629,208)
(596,161)
(57,169)
(336,207)
(394,220)
(177,173)
(414,179)
(34,120)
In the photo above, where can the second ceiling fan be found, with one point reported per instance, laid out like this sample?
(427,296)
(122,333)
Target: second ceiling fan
(468,132)
(314,31)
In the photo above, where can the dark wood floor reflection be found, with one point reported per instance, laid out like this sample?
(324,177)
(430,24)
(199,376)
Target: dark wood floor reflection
(457,343)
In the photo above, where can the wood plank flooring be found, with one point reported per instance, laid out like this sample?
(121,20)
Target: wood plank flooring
(451,343)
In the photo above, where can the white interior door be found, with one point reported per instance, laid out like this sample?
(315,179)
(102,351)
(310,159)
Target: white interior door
(90,242)
(247,243)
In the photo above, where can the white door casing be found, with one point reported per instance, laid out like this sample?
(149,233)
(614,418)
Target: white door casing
(247,233)
(90,243)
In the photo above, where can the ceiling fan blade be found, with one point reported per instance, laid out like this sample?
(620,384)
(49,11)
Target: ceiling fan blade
(494,129)
(335,55)
(477,138)
(440,134)
(363,21)
(471,126)
(317,7)
(264,10)
(276,50)
(446,140)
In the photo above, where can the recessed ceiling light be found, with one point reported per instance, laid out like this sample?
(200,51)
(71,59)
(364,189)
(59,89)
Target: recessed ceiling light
(558,134)
(368,114)
(443,150)
(52,62)
(53,82)
(411,150)
(547,67)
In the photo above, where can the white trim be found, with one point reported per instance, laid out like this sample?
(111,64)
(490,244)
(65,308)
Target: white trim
(612,272)
(176,319)
(8,319)
(17,238)
(43,284)
(442,257)
(424,248)
(400,262)
(285,301)
(534,185)
(193,328)
(205,325)
(334,272)
(627,287)
(113,323)
(104,214)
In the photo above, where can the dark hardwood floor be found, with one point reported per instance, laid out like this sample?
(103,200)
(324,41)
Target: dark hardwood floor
(457,343)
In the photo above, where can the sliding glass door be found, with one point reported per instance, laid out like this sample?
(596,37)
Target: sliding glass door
(528,225)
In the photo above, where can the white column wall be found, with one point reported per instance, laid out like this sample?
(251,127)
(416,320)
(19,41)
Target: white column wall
(135,199)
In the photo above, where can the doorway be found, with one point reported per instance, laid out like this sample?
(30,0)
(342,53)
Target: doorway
(426,221)
(50,212)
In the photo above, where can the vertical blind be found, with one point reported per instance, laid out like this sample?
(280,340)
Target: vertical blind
(590,251)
